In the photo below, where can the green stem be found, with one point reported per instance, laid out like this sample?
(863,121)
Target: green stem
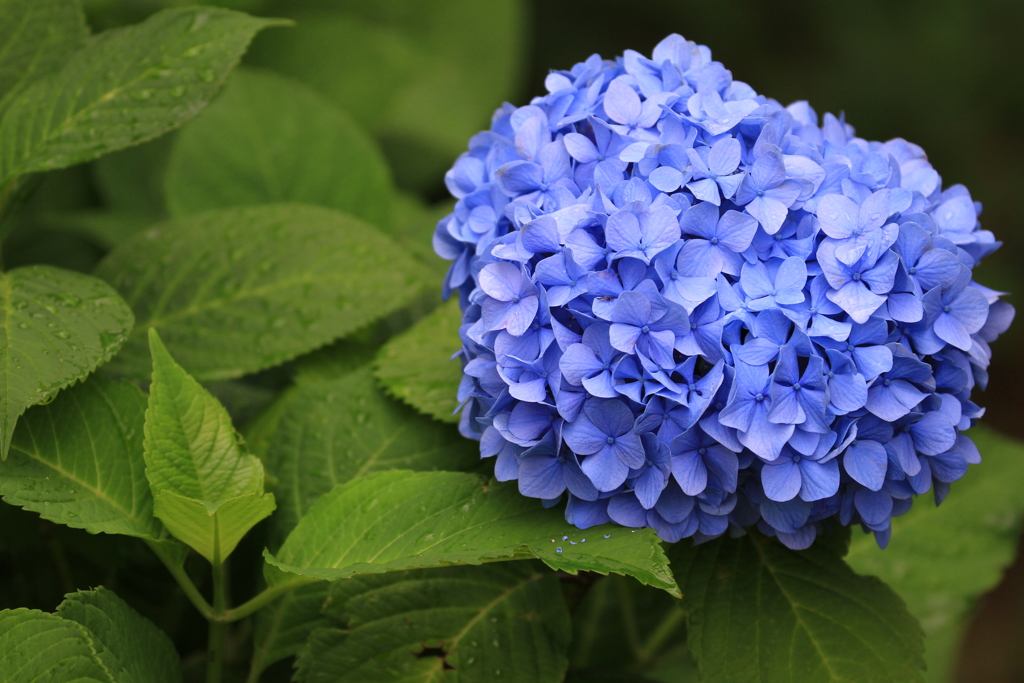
(262,600)
(179,574)
(665,630)
(218,627)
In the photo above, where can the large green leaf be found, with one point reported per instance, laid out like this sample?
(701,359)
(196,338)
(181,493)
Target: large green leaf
(36,38)
(123,87)
(58,327)
(423,75)
(36,646)
(131,648)
(208,492)
(417,365)
(499,622)
(941,560)
(757,611)
(269,139)
(399,520)
(238,290)
(338,430)
(78,460)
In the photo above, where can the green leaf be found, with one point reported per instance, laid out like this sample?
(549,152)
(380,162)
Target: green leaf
(125,86)
(417,366)
(36,38)
(498,622)
(238,290)
(131,648)
(757,611)
(59,326)
(399,520)
(338,430)
(191,447)
(269,139)
(207,490)
(36,646)
(422,75)
(212,530)
(941,560)
(78,460)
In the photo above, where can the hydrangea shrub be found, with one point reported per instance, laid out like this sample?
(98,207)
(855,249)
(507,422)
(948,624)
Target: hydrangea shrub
(686,312)
(688,307)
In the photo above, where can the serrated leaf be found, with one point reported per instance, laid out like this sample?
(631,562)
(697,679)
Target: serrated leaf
(757,611)
(941,560)
(208,491)
(36,38)
(497,622)
(399,520)
(131,648)
(123,87)
(212,530)
(238,290)
(422,75)
(269,139)
(36,646)
(59,327)
(335,431)
(78,460)
(416,366)
(191,447)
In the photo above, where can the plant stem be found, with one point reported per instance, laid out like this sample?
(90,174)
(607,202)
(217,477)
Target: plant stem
(261,600)
(179,574)
(218,627)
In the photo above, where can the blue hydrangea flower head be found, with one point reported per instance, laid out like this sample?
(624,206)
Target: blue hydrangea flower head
(688,307)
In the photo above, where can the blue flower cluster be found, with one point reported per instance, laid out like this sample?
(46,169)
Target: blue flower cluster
(691,308)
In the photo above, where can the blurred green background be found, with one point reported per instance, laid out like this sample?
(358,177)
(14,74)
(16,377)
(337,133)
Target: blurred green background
(423,75)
